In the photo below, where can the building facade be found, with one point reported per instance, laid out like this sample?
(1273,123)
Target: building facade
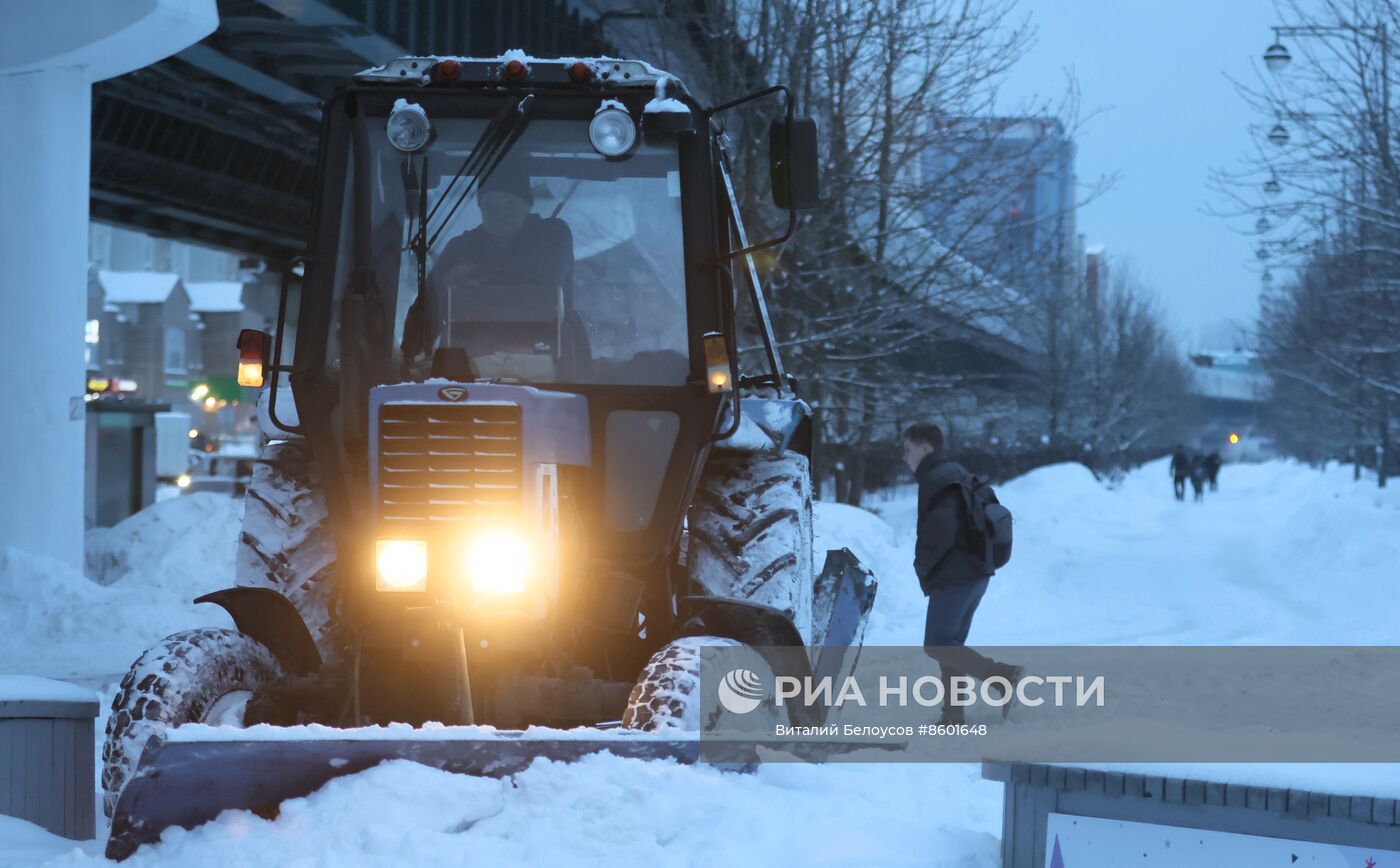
(163,320)
(1003,192)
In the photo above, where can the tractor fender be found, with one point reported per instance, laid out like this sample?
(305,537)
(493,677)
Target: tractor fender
(767,630)
(286,414)
(770,424)
(270,618)
(761,627)
(742,620)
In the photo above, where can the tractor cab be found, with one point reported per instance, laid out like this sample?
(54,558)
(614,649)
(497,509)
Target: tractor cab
(553,238)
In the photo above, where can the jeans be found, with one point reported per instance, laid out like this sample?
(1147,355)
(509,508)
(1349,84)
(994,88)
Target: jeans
(950,611)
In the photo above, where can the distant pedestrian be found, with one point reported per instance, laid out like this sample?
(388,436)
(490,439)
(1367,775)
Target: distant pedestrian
(949,576)
(1180,470)
(1213,462)
(1199,475)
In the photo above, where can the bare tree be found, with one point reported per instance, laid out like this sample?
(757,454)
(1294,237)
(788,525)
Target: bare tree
(918,242)
(1322,192)
(1327,402)
(1136,389)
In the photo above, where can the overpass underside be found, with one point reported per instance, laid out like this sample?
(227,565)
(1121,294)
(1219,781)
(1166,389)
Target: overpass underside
(218,143)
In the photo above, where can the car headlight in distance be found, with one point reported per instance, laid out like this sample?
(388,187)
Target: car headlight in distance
(409,128)
(401,565)
(498,562)
(612,132)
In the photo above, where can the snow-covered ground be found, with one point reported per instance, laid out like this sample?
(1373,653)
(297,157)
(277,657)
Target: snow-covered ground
(1280,555)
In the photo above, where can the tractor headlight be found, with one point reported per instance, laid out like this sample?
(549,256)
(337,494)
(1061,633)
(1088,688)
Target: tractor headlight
(612,132)
(401,565)
(409,128)
(498,562)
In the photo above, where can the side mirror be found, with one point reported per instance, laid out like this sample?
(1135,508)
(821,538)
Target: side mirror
(792,160)
(254,347)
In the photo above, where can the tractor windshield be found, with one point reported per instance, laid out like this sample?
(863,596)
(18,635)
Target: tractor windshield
(559,266)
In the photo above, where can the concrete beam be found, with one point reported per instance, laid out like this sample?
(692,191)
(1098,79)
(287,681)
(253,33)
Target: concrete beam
(353,35)
(252,80)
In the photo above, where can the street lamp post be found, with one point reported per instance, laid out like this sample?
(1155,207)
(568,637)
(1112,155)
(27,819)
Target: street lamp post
(1277,58)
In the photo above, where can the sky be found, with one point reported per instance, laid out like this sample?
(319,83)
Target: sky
(1153,77)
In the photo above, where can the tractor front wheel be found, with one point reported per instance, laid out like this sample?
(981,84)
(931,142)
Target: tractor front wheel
(667,693)
(197,676)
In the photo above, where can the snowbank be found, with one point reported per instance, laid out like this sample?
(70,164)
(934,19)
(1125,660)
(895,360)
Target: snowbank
(604,810)
(168,541)
(23,843)
(57,623)
(1281,554)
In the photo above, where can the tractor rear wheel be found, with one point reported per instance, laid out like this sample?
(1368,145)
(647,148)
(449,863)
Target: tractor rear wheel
(287,544)
(750,532)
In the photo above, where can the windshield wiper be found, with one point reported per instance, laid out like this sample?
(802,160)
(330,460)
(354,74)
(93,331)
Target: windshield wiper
(495,141)
(493,144)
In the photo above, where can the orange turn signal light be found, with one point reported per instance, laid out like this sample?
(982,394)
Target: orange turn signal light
(253,350)
(717,373)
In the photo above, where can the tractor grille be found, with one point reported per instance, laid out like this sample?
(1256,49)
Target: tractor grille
(449,462)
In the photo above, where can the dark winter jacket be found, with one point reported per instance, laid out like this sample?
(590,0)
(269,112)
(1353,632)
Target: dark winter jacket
(938,559)
(540,253)
(1181,465)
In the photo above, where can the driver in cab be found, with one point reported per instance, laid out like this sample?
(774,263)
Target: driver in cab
(511,267)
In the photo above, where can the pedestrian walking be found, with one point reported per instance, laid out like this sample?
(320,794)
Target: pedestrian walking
(1199,475)
(1213,462)
(1180,471)
(953,577)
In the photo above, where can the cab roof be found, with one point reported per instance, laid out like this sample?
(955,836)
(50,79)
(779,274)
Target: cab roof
(518,68)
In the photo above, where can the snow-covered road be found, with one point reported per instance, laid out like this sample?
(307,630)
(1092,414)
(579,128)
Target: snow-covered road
(1282,554)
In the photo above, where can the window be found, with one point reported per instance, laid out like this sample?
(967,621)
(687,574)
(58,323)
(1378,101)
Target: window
(574,273)
(174,351)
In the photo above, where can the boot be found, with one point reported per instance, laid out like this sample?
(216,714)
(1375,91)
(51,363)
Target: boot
(1013,674)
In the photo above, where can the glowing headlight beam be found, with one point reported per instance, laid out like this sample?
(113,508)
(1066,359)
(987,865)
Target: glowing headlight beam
(498,562)
(401,565)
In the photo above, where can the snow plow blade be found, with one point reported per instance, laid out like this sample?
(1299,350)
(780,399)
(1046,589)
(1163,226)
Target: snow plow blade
(187,782)
(842,596)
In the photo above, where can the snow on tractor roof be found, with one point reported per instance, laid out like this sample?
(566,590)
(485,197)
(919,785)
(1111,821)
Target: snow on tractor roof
(425,69)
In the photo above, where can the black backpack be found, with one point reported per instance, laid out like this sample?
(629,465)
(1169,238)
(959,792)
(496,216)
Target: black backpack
(986,538)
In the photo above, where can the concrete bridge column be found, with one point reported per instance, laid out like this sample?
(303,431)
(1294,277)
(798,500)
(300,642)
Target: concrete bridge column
(50,54)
